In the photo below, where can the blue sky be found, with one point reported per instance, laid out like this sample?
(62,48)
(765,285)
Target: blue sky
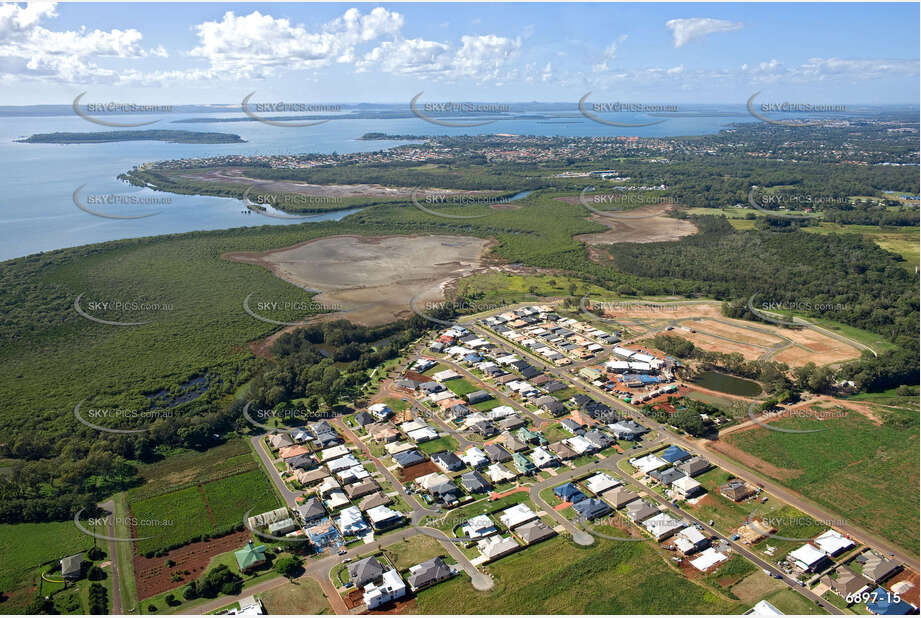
(353,52)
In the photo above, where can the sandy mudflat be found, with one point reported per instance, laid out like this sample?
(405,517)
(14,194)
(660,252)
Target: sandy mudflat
(374,278)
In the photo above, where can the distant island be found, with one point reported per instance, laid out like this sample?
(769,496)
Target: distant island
(151,135)
(374,135)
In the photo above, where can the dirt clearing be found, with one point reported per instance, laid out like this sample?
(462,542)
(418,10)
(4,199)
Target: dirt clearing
(649,225)
(374,278)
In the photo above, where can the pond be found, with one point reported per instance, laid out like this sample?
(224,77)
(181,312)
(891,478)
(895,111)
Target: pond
(727,384)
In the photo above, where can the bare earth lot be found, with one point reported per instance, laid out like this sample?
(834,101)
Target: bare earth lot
(657,228)
(374,278)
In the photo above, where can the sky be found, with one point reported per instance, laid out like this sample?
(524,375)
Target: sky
(197,53)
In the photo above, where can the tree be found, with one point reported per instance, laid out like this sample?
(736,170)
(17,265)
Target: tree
(95,573)
(287,566)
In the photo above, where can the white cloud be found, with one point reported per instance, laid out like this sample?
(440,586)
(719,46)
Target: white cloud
(481,58)
(686,30)
(258,45)
(30,50)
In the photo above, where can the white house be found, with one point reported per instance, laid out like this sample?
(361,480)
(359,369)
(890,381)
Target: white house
(478,526)
(391,588)
(517,515)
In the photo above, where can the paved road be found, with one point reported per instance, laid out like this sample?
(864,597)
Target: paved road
(815,511)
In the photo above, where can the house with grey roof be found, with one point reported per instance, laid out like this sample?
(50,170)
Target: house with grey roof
(364,571)
(429,573)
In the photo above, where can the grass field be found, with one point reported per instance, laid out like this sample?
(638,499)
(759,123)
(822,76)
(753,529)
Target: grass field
(461,387)
(303,596)
(789,602)
(610,578)
(444,443)
(413,550)
(874,465)
(179,516)
(27,546)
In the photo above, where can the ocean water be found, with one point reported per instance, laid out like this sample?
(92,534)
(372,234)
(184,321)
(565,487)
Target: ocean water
(37,210)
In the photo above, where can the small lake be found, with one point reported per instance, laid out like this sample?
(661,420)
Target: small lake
(727,384)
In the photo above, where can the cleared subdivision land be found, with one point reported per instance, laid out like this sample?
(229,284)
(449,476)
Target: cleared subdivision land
(374,279)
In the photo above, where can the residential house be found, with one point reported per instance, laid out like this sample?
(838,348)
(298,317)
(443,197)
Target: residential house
(534,532)
(517,515)
(390,588)
(494,547)
(383,518)
(736,490)
(250,557)
(300,462)
(568,493)
(572,426)
(674,453)
(884,603)
(833,542)
(428,574)
(511,423)
(280,440)
(690,540)
(360,490)
(373,500)
(478,397)
(513,444)
(807,558)
(662,526)
(648,463)
(666,477)
(475,458)
(445,493)
(72,566)
(447,461)
(478,526)
(351,522)
(686,487)
(408,458)
(877,568)
(598,439)
(640,510)
(363,419)
(562,452)
(708,559)
(365,571)
(694,466)
(282,527)
(846,582)
(522,464)
(601,482)
(290,452)
(474,482)
(499,474)
(627,430)
(311,511)
(496,453)
(619,496)
(592,508)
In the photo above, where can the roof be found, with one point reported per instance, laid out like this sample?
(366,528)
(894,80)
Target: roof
(517,515)
(408,458)
(708,558)
(619,496)
(72,565)
(365,570)
(474,482)
(883,603)
(694,466)
(591,508)
(877,567)
(448,460)
(311,509)
(428,572)
(496,453)
(832,542)
(250,555)
(674,453)
(372,500)
(639,510)
(601,482)
(763,608)
(807,555)
(686,484)
(569,493)
(534,531)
